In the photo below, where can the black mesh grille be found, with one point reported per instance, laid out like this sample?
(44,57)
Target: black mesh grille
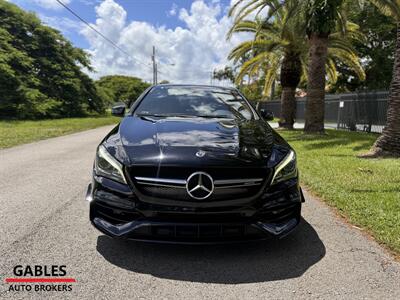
(165,192)
(279,213)
(178,192)
(199,218)
(181,193)
(217,173)
(196,232)
(115,215)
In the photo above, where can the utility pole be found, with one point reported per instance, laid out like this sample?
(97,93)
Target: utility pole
(153,58)
(156,74)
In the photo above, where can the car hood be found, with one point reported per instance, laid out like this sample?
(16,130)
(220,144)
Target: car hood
(190,141)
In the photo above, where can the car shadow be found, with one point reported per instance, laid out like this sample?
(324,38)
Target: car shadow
(229,264)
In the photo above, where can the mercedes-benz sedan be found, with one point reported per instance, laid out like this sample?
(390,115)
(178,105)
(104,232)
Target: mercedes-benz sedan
(194,164)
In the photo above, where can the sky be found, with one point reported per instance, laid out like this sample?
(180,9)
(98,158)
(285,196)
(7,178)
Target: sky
(189,36)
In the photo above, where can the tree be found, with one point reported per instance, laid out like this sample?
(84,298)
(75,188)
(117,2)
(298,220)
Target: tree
(224,74)
(388,143)
(123,88)
(322,16)
(276,48)
(40,71)
(15,76)
(279,49)
(376,51)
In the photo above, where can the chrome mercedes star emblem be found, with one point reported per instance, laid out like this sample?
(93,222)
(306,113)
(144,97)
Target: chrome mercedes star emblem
(200,153)
(199,185)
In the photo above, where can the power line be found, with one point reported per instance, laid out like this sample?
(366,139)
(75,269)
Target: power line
(121,49)
(100,34)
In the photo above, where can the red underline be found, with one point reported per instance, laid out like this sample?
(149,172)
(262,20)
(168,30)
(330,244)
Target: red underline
(32,280)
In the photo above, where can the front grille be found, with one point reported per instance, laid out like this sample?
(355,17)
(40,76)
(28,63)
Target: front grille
(113,215)
(200,218)
(197,232)
(182,173)
(181,193)
(224,189)
(279,213)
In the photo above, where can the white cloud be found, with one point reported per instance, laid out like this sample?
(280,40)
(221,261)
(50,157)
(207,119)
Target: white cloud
(63,24)
(90,2)
(172,12)
(50,4)
(195,51)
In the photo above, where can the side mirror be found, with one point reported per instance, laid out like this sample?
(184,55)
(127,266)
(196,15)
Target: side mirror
(266,114)
(118,110)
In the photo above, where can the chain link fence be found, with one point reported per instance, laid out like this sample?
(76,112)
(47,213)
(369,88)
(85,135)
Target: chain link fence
(364,111)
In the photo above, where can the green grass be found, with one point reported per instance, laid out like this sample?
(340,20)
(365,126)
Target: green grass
(14,133)
(367,192)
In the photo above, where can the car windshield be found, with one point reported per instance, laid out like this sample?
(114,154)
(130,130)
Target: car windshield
(181,101)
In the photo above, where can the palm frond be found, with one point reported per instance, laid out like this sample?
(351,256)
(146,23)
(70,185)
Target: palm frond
(349,59)
(270,75)
(247,10)
(232,10)
(244,26)
(255,47)
(388,7)
(249,65)
(331,70)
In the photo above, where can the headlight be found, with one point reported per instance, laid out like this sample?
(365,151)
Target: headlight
(108,166)
(286,169)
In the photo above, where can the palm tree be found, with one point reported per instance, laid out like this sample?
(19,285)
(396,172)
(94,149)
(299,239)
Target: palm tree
(280,48)
(277,46)
(388,143)
(322,17)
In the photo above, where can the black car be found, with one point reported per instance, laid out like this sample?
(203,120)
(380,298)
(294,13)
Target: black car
(194,164)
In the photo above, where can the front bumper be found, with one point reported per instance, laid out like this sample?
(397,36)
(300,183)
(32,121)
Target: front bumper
(117,212)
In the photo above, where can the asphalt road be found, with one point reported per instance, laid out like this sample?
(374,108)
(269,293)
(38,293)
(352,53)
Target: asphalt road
(44,221)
